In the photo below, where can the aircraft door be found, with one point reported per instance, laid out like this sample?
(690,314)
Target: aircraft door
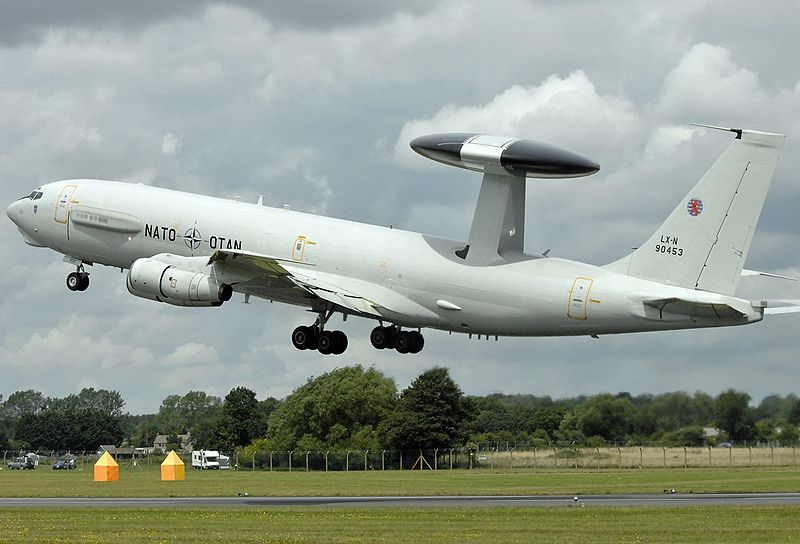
(63,202)
(578,298)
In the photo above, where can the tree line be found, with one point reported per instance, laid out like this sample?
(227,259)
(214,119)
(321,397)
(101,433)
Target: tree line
(357,408)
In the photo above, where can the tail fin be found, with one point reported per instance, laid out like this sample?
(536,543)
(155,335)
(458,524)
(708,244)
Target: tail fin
(704,242)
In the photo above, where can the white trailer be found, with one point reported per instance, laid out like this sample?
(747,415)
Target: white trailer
(205,459)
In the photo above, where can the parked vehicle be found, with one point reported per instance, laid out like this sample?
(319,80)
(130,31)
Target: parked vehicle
(24,462)
(205,459)
(224,462)
(64,464)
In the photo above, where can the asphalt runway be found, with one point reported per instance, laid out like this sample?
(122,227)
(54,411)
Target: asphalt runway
(532,501)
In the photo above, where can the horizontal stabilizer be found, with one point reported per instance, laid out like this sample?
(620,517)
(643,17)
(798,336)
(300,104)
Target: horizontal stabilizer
(696,309)
(781,306)
(746,272)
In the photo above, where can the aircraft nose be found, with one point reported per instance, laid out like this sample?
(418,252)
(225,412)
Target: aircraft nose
(13,211)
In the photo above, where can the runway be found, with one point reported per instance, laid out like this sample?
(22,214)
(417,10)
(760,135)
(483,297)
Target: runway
(528,501)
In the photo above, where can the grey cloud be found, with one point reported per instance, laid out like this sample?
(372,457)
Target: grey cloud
(307,103)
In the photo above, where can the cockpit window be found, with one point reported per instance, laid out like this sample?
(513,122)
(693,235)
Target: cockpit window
(35,195)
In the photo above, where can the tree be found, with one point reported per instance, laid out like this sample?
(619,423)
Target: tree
(607,416)
(239,419)
(733,415)
(181,414)
(432,413)
(340,409)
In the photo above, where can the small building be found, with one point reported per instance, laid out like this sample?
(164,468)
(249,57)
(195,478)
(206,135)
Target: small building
(184,440)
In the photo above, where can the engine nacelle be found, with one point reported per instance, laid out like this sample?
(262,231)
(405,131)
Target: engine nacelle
(156,280)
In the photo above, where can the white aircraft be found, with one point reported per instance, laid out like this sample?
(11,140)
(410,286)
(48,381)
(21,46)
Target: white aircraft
(192,250)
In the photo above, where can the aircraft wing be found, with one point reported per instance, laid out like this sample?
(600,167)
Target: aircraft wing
(273,277)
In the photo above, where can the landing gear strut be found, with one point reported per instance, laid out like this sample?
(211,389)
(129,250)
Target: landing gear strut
(315,337)
(79,280)
(392,337)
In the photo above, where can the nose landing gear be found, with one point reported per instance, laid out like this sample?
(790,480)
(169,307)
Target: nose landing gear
(79,280)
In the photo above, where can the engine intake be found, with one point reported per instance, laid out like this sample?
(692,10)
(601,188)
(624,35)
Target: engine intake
(163,282)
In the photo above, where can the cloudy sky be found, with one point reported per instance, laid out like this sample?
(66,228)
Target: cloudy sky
(313,104)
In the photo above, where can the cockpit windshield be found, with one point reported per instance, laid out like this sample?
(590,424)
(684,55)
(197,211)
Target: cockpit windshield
(35,195)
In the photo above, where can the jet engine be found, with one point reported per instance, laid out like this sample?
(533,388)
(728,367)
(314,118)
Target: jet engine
(156,280)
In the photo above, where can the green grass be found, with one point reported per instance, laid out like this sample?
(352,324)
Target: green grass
(402,525)
(146,482)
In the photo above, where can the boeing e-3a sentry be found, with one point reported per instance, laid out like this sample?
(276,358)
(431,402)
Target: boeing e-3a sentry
(192,250)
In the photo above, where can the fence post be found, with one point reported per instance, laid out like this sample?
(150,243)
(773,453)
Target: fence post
(641,457)
(401,460)
(435,458)
(772,454)
(597,451)
(270,461)
(511,452)
(750,455)
(534,457)
(366,452)
(619,456)
(307,461)
(347,462)
(576,457)
(451,458)
(709,456)
(685,459)
(383,459)
(326,461)
(665,457)
(254,461)
(555,457)
(730,456)
(290,460)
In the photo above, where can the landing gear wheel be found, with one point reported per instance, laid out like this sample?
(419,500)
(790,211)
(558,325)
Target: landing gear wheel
(304,337)
(417,342)
(84,285)
(326,342)
(74,281)
(382,337)
(339,342)
(403,342)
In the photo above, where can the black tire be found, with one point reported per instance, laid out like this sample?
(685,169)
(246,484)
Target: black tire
(403,342)
(339,342)
(417,342)
(84,281)
(325,342)
(303,337)
(73,281)
(382,337)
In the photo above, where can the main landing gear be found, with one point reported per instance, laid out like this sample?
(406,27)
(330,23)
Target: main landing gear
(392,337)
(335,342)
(326,342)
(316,337)
(79,280)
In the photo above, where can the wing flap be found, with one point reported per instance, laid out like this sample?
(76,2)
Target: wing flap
(298,274)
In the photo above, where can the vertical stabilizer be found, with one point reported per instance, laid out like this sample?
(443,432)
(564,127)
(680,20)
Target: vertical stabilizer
(703,244)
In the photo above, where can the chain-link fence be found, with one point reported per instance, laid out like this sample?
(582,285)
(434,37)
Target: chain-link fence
(498,456)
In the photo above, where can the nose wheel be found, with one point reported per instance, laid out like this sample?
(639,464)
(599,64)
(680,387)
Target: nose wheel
(78,281)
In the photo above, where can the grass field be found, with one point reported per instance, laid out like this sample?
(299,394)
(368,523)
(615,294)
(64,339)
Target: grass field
(400,525)
(403,525)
